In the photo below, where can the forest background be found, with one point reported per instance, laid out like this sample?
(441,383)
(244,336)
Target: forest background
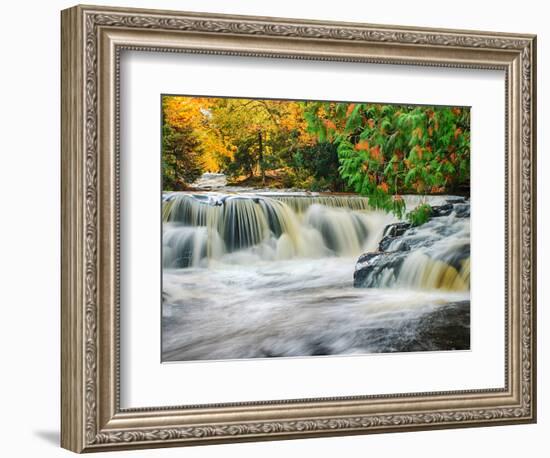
(378,150)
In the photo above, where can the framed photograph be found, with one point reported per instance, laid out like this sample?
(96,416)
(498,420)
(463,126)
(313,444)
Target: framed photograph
(278,228)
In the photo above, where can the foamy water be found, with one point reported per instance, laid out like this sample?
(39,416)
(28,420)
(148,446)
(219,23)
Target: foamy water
(265,276)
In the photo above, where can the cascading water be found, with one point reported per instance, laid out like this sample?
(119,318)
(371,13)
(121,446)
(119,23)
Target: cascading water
(435,255)
(255,275)
(200,228)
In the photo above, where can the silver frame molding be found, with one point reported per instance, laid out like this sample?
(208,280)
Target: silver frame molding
(92,40)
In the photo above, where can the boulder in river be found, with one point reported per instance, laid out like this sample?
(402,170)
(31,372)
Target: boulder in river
(446,326)
(441,210)
(435,255)
(371,267)
(392,233)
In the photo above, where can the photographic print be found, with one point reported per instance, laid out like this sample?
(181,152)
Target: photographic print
(298,228)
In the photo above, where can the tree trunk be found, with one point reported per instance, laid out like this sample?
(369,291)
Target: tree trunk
(261,156)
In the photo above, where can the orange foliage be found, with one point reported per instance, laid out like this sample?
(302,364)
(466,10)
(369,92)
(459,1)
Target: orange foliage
(376,154)
(419,151)
(458,131)
(219,123)
(329,124)
(363,145)
(292,119)
(194,113)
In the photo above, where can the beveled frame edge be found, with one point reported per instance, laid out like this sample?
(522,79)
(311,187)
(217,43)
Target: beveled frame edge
(91,40)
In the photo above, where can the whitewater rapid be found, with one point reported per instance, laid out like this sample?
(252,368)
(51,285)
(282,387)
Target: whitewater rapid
(248,276)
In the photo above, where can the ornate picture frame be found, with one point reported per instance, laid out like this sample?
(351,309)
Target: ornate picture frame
(92,41)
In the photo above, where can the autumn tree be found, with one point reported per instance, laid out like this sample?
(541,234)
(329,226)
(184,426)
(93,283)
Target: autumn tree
(264,133)
(381,151)
(191,144)
(180,157)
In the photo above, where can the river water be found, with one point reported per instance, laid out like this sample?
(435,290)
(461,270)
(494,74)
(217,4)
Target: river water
(248,275)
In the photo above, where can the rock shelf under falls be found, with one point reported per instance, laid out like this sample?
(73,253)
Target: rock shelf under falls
(435,255)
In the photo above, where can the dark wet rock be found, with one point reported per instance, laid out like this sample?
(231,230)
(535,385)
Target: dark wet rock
(370,266)
(400,240)
(447,327)
(441,210)
(458,255)
(396,229)
(400,245)
(367,257)
(382,268)
(459,206)
(392,232)
(462,210)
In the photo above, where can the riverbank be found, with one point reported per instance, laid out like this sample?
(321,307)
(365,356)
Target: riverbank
(275,183)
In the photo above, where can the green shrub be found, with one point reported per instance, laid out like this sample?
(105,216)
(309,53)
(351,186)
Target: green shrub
(419,215)
(385,151)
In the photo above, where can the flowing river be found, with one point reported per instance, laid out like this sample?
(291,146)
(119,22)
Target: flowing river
(249,275)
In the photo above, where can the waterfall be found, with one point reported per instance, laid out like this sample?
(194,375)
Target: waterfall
(243,228)
(281,274)
(199,228)
(435,255)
